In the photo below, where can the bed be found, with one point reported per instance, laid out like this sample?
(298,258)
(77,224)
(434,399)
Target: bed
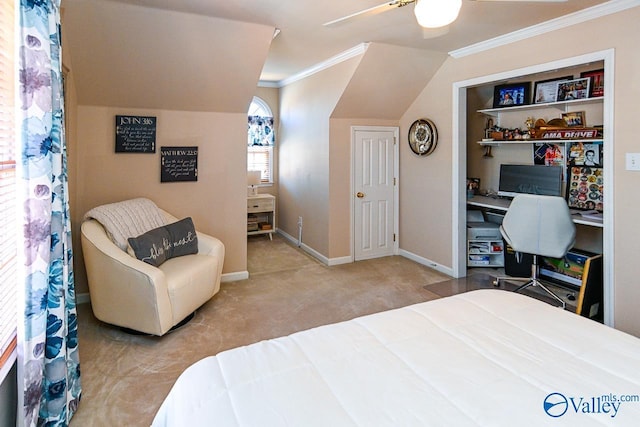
(482,358)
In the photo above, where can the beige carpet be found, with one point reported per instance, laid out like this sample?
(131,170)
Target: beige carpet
(125,378)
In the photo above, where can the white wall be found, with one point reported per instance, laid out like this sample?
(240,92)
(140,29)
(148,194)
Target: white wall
(304,152)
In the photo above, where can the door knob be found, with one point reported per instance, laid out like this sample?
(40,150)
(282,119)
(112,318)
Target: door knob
(359,194)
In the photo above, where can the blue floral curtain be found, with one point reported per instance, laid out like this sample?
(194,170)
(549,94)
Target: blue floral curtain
(261,131)
(49,369)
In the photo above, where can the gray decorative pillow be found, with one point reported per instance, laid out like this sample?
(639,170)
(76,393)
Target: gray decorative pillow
(169,241)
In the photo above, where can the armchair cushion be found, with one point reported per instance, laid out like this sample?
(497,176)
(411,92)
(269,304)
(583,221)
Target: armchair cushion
(169,241)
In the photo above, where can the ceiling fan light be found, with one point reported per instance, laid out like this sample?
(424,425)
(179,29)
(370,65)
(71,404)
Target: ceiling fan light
(436,13)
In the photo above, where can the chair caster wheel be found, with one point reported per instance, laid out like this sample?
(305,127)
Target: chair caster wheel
(496,282)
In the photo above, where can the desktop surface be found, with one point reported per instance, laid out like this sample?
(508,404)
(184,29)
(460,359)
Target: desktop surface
(502,204)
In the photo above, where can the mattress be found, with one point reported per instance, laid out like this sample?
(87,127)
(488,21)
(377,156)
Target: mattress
(482,358)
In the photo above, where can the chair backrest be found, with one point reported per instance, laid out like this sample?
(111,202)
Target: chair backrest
(129,218)
(539,225)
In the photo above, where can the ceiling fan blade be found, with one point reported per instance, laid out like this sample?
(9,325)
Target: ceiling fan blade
(366,12)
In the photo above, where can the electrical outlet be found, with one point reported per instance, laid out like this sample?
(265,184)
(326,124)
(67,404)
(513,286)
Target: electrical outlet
(633,161)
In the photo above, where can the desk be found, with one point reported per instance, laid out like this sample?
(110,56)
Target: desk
(500,204)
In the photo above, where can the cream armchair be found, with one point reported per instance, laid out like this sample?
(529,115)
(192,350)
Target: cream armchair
(130,293)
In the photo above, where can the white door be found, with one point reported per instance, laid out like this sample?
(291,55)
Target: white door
(374,192)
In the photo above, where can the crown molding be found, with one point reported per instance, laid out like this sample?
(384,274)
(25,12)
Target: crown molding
(268,83)
(334,60)
(594,12)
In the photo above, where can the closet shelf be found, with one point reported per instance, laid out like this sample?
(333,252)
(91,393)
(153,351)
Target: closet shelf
(560,105)
(533,141)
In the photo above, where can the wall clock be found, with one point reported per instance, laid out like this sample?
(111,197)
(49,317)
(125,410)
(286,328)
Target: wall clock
(423,137)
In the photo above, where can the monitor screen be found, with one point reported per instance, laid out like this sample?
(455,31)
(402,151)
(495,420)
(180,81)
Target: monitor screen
(530,179)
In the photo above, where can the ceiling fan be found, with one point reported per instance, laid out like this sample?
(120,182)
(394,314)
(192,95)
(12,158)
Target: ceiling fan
(429,13)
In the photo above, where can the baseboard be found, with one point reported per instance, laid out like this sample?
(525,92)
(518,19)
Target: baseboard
(304,247)
(234,277)
(349,259)
(426,262)
(340,261)
(317,255)
(83,298)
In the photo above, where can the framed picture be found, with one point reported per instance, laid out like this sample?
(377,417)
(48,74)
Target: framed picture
(510,95)
(582,153)
(573,89)
(135,134)
(178,164)
(584,188)
(574,118)
(596,82)
(474,185)
(547,90)
(548,154)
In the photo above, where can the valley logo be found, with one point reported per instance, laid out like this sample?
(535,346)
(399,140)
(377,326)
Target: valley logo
(557,404)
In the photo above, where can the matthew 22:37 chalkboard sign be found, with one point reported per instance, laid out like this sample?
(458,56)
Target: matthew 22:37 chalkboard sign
(178,164)
(135,134)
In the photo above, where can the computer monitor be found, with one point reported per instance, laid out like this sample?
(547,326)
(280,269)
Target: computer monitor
(530,179)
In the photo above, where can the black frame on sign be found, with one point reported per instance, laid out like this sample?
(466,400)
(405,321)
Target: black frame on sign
(135,134)
(178,164)
(522,92)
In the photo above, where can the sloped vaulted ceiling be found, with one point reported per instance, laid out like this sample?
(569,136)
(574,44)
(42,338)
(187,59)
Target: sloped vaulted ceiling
(386,82)
(138,57)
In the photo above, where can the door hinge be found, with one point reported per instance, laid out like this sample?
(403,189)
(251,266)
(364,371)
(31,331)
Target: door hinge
(394,181)
(394,237)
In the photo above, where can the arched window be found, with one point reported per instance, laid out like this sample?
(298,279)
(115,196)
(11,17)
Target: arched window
(260,139)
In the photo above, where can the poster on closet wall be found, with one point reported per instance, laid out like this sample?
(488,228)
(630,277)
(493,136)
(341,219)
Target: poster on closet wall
(550,155)
(178,164)
(584,189)
(135,134)
(586,153)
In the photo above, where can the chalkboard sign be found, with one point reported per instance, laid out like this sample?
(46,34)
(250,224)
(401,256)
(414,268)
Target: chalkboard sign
(135,134)
(178,164)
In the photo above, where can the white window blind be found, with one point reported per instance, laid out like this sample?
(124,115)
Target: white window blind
(8,243)
(260,159)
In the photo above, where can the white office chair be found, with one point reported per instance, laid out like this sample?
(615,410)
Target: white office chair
(540,226)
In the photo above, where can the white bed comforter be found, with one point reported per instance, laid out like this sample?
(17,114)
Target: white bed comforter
(483,358)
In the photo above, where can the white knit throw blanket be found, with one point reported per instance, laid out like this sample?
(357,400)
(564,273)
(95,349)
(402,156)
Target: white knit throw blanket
(129,218)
